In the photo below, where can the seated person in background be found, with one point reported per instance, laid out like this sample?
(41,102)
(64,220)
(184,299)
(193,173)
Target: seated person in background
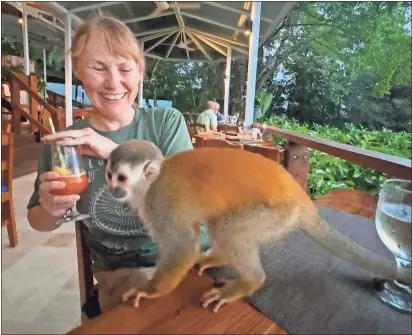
(218,114)
(208,117)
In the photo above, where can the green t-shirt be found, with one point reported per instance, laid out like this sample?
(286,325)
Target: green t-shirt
(208,118)
(115,236)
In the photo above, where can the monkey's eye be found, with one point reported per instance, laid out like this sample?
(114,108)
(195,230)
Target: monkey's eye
(109,175)
(121,178)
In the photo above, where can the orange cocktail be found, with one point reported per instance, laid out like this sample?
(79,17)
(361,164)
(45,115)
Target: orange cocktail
(76,183)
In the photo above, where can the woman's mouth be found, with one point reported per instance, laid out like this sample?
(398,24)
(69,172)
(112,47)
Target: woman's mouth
(113,97)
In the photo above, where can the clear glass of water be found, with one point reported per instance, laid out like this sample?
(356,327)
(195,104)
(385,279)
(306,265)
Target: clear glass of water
(394,226)
(262,130)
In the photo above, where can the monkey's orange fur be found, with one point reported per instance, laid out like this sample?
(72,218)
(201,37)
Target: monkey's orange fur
(253,180)
(242,198)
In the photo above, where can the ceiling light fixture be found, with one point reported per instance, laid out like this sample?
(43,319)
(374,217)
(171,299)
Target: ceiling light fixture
(248,27)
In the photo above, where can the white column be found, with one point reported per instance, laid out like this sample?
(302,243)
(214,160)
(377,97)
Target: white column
(45,72)
(227,81)
(25,43)
(140,93)
(68,88)
(252,65)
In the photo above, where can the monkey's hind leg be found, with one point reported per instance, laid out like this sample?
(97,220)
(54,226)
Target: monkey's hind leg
(211,258)
(246,262)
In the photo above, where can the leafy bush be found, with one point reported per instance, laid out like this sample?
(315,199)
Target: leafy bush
(328,172)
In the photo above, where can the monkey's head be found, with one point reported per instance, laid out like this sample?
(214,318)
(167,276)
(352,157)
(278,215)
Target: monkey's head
(131,168)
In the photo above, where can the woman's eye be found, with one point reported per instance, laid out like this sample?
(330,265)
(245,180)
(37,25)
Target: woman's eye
(98,69)
(125,70)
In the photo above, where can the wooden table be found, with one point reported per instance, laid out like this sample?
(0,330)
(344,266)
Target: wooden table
(244,142)
(181,313)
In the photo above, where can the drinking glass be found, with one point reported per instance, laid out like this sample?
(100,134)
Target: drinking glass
(393,224)
(262,130)
(69,165)
(241,126)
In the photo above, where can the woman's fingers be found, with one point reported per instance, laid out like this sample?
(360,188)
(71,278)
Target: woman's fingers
(48,186)
(65,199)
(67,134)
(84,140)
(55,205)
(48,176)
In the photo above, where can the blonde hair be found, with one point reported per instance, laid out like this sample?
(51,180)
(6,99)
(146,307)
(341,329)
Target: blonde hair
(116,37)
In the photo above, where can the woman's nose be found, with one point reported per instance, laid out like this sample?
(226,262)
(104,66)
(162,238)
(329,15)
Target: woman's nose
(112,80)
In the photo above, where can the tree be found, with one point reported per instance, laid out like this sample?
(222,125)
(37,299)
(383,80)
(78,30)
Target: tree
(364,36)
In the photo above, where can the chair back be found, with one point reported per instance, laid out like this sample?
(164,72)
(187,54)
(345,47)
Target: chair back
(193,128)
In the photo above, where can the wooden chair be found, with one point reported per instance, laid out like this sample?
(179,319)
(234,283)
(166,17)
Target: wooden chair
(8,218)
(82,113)
(6,126)
(193,128)
(271,152)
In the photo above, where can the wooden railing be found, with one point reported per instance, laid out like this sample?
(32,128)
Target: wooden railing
(19,82)
(57,100)
(297,156)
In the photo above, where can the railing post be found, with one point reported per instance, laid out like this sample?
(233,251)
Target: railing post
(33,105)
(297,162)
(15,102)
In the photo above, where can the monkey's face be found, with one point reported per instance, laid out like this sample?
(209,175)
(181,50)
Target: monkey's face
(128,182)
(119,182)
(131,168)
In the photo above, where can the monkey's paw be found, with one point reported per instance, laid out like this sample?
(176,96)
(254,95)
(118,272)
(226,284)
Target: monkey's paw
(139,293)
(231,291)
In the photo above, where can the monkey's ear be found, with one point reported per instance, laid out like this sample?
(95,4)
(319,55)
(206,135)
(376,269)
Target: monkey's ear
(151,170)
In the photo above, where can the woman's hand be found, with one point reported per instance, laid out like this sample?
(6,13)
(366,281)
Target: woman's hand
(55,205)
(87,140)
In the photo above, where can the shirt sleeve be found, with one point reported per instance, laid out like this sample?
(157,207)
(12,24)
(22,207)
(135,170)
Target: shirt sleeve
(44,164)
(175,135)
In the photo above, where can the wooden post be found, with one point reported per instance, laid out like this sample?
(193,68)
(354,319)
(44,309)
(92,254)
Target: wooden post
(33,105)
(297,163)
(15,102)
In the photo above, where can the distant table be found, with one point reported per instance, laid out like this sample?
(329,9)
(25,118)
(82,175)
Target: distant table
(245,141)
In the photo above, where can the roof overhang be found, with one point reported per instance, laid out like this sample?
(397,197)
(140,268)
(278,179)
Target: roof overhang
(196,31)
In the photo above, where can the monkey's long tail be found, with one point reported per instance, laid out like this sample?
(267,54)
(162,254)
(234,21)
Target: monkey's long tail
(341,246)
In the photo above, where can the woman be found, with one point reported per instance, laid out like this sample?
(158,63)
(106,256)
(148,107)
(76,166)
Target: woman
(108,61)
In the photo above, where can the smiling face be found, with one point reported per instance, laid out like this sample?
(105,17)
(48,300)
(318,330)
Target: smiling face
(111,82)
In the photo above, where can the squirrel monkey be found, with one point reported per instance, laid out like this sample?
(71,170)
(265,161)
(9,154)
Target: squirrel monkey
(259,202)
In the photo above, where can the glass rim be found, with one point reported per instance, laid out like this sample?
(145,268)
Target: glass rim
(403,181)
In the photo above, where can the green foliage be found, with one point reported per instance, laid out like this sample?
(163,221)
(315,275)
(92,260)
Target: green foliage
(13,46)
(363,36)
(188,84)
(328,172)
(264,99)
(6,71)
